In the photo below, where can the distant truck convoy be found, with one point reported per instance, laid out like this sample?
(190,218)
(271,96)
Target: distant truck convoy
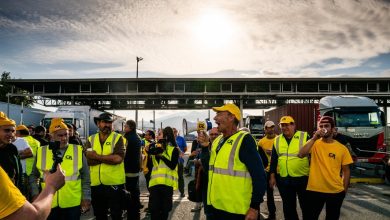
(359,119)
(23,115)
(83,118)
(255,125)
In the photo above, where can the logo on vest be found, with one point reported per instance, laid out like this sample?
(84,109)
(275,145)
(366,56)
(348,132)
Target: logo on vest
(108,143)
(229,142)
(68,157)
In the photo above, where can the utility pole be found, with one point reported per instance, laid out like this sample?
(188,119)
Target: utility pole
(136,101)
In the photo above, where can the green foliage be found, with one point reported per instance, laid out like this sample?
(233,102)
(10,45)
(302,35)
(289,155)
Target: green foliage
(5,88)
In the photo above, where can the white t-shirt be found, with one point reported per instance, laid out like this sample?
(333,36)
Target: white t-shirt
(21,145)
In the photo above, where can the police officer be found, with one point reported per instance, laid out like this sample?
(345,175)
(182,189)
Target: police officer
(294,171)
(105,153)
(236,183)
(75,196)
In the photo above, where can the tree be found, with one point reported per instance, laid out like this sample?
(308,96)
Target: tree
(5,88)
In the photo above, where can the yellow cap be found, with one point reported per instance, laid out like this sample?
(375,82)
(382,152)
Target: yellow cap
(21,127)
(286,120)
(4,121)
(232,108)
(57,124)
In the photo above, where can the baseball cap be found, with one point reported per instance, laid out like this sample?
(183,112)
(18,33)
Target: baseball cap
(21,127)
(327,119)
(232,108)
(4,121)
(269,124)
(57,124)
(286,120)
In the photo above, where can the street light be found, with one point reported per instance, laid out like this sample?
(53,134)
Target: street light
(136,101)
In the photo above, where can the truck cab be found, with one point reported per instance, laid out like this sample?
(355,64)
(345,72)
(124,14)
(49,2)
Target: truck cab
(362,123)
(255,125)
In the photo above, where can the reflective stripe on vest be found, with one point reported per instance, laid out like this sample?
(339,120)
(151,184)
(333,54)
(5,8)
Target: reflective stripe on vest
(230,184)
(288,161)
(34,144)
(71,193)
(106,174)
(161,173)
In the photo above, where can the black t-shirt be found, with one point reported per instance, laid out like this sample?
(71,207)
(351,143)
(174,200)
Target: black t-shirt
(10,162)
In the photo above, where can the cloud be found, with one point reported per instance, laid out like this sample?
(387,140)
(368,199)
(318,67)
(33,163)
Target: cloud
(269,38)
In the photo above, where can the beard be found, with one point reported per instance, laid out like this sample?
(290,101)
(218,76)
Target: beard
(106,130)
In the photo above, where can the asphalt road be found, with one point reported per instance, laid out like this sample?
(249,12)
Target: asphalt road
(363,201)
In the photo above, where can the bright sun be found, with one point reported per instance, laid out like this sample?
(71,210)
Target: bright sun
(213,28)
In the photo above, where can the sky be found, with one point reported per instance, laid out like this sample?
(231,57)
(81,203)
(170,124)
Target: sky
(180,38)
(56,39)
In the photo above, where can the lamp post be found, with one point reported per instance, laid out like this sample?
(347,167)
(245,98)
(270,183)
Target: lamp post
(136,101)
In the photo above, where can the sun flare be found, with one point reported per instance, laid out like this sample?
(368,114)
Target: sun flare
(213,28)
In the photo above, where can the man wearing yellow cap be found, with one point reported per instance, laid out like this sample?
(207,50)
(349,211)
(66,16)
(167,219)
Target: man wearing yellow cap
(237,182)
(9,156)
(105,153)
(75,196)
(25,153)
(294,171)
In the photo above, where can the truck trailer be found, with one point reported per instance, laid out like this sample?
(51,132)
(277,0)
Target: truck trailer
(305,116)
(83,118)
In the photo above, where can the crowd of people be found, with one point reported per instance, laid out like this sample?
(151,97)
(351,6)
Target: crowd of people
(54,175)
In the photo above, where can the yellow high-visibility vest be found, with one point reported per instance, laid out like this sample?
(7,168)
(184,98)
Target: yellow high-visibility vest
(230,184)
(106,174)
(34,144)
(71,193)
(288,161)
(161,173)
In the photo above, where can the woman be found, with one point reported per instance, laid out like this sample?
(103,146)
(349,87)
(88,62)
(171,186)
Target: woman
(164,177)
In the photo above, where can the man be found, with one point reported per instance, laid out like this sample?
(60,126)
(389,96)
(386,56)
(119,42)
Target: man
(75,197)
(25,153)
(105,153)
(132,168)
(9,156)
(328,157)
(14,206)
(40,135)
(73,138)
(22,131)
(204,168)
(147,163)
(294,171)
(181,143)
(266,144)
(236,183)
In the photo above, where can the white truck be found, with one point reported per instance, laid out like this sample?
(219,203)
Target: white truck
(83,118)
(361,121)
(255,125)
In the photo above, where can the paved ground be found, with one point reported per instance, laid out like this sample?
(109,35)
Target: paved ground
(363,201)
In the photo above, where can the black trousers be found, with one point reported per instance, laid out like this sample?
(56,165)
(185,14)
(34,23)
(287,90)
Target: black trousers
(270,198)
(72,213)
(180,175)
(290,188)
(317,200)
(160,201)
(132,206)
(107,197)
